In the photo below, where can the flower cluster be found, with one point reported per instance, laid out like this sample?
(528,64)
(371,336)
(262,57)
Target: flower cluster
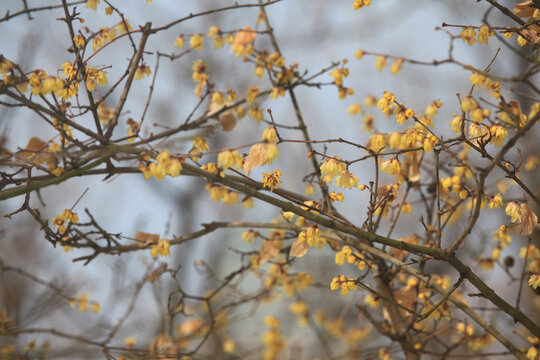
(346,284)
(83,305)
(352,257)
(313,237)
(164,166)
(61,221)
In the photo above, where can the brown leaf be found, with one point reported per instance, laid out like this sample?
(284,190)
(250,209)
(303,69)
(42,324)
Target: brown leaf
(257,157)
(528,220)
(383,191)
(146,238)
(34,146)
(414,168)
(269,250)
(406,297)
(200,88)
(532,32)
(524,9)
(245,36)
(228,121)
(299,248)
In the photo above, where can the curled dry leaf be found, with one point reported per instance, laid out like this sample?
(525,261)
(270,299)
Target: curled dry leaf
(245,36)
(200,88)
(524,9)
(299,248)
(528,220)
(257,157)
(269,250)
(145,239)
(413,164)
(226,119)
(34,146)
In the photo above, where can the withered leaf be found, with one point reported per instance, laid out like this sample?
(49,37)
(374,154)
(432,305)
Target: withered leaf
(299,248)
(228,121)
(524,9)
(257,157)
(528,220)
(146,238)
(413,168)
(269,250)
(34,146)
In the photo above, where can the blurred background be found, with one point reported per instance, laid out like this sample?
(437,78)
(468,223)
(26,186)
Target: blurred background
(311,33)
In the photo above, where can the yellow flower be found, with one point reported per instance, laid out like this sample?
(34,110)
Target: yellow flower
(218,98)
(429,142)
(380,62)
(521,41)
(272,153)
(271,179)
(130,342)
(484,32)
(359,54)
(248,203)
(270,135)
(534,281)
(386,102)
(512,210)
(92,4)
(310,190)
(347,179)
(376,142)
(252,93)
(406,208)
(230,198)
(495,202)
(354,109)
(201,144)
(228,159)
(433,108)
(498,133)
(455,123)
(179,42)
(339,196)
(161,248)
(141,72)
(196,42)
(396,66)
(391,166)
(332,167)
(468,34)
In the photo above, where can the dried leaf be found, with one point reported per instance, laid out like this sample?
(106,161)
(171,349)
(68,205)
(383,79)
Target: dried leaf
(228,121)
(200,88)
(257,157)
(299,248)
(34,146)
(414,168)
(532,32)
(245,36)
(406,297)
(269,250)
(105,113)
(146,238)
(383,191)
(524,9)
(528,220)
